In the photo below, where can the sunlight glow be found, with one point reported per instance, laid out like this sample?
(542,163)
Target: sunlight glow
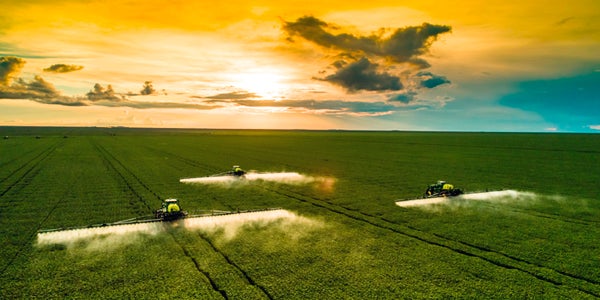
(266,84)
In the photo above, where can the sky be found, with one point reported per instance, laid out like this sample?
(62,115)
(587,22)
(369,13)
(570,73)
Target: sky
(465,65)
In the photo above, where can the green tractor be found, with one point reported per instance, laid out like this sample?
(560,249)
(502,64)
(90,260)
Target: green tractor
(170,211)
(441,189)
(237,171)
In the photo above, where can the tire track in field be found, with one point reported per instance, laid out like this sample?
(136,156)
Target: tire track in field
(104,154)
(194,163)
(183,159)
(544,215)
(543,273)
(186,252)
(206,274)
(34,162)
(10,162)
(31,237)
(26,177)
(489,255)
(231,262)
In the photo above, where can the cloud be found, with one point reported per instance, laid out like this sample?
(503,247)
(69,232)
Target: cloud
(99,93)
(148,89)
(62,68)
(153,104)
(10,67)
(38,90)
(594,127)
(234,95)
(363,75)
(42,91)
(405,97)
(429,80)
(403,45)
(330,107)
(375,62)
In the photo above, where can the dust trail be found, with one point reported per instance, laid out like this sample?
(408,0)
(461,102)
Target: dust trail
(282,177)
(485,196)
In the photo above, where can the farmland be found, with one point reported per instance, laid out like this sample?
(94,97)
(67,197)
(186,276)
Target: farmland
(353,242)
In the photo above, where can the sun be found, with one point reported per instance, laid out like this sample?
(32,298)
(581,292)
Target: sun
(266,84)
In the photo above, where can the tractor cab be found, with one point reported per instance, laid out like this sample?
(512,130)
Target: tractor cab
(237,171)
(170,210)
(441,189)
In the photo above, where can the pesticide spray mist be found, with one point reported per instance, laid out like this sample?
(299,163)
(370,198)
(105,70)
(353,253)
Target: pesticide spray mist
(97,238)
(506,195)
(110,237)
(230,225)
(282,177)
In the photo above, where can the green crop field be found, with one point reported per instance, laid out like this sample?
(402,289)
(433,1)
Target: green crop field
(349,240)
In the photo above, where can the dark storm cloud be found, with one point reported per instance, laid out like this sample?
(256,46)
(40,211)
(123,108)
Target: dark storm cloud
(373,62)
(363,75)
(407,43)
(403,45)
(405,97)
(62,68)
(430,80)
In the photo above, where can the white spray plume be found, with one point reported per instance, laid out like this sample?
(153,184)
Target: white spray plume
(282,177)
(485,196)
(110,237)
(99,237)
(230,225)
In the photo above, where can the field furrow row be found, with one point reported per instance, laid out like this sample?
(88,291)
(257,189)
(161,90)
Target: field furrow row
(342,236)
(112,162)
(539,214)
(31,164)
(245,275)
(499,259)
(137,181)
(12,201)
(106,155)
(22,159)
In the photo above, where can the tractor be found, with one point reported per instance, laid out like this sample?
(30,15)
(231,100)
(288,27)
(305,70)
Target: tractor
(170,211)
(237,171)
(441,189)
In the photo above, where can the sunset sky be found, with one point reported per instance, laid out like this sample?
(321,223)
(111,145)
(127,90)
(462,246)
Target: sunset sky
(368,65)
